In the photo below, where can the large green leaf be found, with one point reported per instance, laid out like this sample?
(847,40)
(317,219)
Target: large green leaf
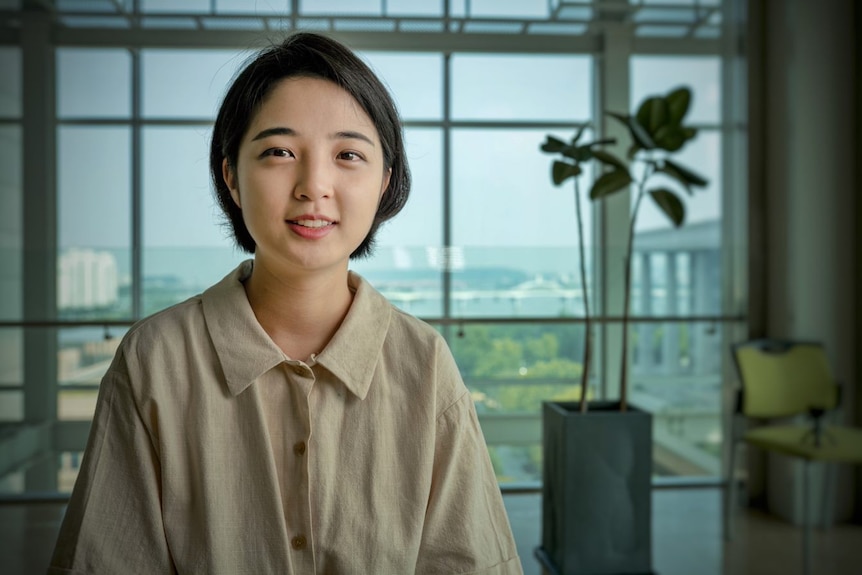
(684,175)
(554,145)
(637,131)
(678,101)
(670,204)
(610,183)
(610,159)
(670,137)
(579,154)
(653,114)
(562,171)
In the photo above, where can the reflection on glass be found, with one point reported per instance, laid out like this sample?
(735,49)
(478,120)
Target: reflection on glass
(94,212)
(521,87)
(93,83)
(186,83)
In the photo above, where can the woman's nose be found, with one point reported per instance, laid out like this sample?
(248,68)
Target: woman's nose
(314,181)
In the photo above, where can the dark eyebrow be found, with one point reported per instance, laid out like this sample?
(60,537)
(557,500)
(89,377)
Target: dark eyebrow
(274,132)
(354,136)
(284,131)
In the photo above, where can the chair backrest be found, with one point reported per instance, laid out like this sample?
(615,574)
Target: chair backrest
(781,379)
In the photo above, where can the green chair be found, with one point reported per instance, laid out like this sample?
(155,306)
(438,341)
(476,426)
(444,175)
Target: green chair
(782,379)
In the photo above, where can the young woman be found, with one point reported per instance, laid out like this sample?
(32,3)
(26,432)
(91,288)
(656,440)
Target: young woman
(289,419)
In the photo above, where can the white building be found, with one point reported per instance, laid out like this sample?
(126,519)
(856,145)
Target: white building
(87,279)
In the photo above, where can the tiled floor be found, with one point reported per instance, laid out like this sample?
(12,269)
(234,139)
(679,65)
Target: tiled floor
(686,538)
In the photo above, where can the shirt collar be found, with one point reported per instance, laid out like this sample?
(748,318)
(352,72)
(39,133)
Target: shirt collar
(246,351)
(353,352)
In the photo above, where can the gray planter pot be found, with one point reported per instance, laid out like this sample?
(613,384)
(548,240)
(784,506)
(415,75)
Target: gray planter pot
(597,490)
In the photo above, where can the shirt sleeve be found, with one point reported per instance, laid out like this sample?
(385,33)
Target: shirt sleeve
(113,523)
(466,527)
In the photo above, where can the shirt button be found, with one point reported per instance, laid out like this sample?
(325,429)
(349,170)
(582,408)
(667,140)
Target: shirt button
(299,448)
(298,542)
(298,370)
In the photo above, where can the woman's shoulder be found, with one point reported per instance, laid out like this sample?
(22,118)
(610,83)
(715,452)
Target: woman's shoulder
(162,331)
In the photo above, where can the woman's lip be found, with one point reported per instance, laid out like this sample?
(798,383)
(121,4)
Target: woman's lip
(310,217)
(307,232)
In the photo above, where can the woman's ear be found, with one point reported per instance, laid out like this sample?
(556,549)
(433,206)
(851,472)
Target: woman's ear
(386,178)
(229,176)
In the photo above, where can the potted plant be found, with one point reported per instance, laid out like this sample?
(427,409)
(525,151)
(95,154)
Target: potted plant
(598,461)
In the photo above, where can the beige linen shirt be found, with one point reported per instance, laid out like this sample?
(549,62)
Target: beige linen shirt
(213,452)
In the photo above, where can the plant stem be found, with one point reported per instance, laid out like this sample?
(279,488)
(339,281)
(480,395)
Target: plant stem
(585,369)
(624,380)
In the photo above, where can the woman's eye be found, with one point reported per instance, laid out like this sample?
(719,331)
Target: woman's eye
(278,153)
(349,156)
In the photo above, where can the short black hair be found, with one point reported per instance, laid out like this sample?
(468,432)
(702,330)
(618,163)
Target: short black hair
(305,54)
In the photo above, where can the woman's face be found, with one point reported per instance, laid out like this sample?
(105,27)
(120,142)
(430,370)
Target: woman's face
(309,176)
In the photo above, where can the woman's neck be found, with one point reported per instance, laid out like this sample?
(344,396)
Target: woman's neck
(300,312)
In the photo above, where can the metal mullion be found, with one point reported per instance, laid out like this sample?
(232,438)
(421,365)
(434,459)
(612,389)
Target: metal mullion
(136,188)
(134,121)
(439,320)
(447,184)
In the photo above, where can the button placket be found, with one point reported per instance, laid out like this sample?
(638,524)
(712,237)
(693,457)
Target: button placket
(301,381)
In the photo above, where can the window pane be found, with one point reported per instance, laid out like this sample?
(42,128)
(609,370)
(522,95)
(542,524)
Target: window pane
(510,370)
(703,156)
(279,7)
(10,88)
(11,224)
(83,357)
(413,8)
(93,83)
(676,371)
(516,230)
(509,8)
(660,74)
(691,268)
(94,213)
(521,87)
(186,247)
(415,81)
(186,6)
(341,7)
(186,83)
(404,266)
